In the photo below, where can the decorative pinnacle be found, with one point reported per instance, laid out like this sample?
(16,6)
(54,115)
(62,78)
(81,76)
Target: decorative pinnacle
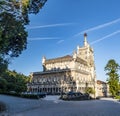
(85,39)
(85,34)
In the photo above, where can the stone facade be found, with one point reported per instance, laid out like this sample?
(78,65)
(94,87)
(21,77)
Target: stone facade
(102,89)
(68,73)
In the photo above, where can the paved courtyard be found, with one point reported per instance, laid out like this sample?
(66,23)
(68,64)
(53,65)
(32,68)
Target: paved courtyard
(51,106)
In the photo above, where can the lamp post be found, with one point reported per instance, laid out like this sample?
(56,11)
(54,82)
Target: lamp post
(62,89)
(62,92)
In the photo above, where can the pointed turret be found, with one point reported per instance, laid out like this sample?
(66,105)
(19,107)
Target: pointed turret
(43,60)
(43,63)
(85,39)
(74,55)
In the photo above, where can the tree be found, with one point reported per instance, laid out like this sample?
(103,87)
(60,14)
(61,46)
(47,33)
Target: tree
(14,15)
(3,66)
(13,18)
(13,37)
(21,8)
(3,84)
(15,81)
(113,77)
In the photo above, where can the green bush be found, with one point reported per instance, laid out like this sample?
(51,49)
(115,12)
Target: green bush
(30,96)
(75,98)
(11,93)
(117,97)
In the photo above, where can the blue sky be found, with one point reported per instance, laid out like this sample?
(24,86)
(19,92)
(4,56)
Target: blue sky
(58,29)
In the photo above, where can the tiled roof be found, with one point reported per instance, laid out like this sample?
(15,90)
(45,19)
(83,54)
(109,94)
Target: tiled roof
(50,72)
(59,59)
(101,82)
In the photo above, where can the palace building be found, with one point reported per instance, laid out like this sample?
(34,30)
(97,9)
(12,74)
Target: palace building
(73,72)
(102,89)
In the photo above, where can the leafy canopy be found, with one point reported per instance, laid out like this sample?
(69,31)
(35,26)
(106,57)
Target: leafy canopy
(112,66)
(14,82)
(112,69)
(14,15)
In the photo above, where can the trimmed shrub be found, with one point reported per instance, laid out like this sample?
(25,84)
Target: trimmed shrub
(75,96)
(117,97)
(30,96)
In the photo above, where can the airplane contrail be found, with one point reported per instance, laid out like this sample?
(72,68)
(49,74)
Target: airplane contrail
(43,38)
(105,37)
(51,25)
(98,27)
(60,41)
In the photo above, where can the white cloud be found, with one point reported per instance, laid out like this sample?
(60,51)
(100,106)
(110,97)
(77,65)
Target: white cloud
(43,38)
(51,25)
(98,27)
(105,37)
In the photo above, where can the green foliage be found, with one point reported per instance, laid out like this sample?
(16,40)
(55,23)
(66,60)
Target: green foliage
(117,97)
(21,8)
(30,96)
(13,38)
(15,81)
(89,90)
(3,65)
(14,15)
(113,77)
(112,66)
(3,85)
(36,5)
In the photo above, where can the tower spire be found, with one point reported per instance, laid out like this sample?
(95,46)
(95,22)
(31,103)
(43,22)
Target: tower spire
(85,39)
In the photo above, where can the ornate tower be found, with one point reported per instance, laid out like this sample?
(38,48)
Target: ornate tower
(87,54)
(43,63)
(85,39)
